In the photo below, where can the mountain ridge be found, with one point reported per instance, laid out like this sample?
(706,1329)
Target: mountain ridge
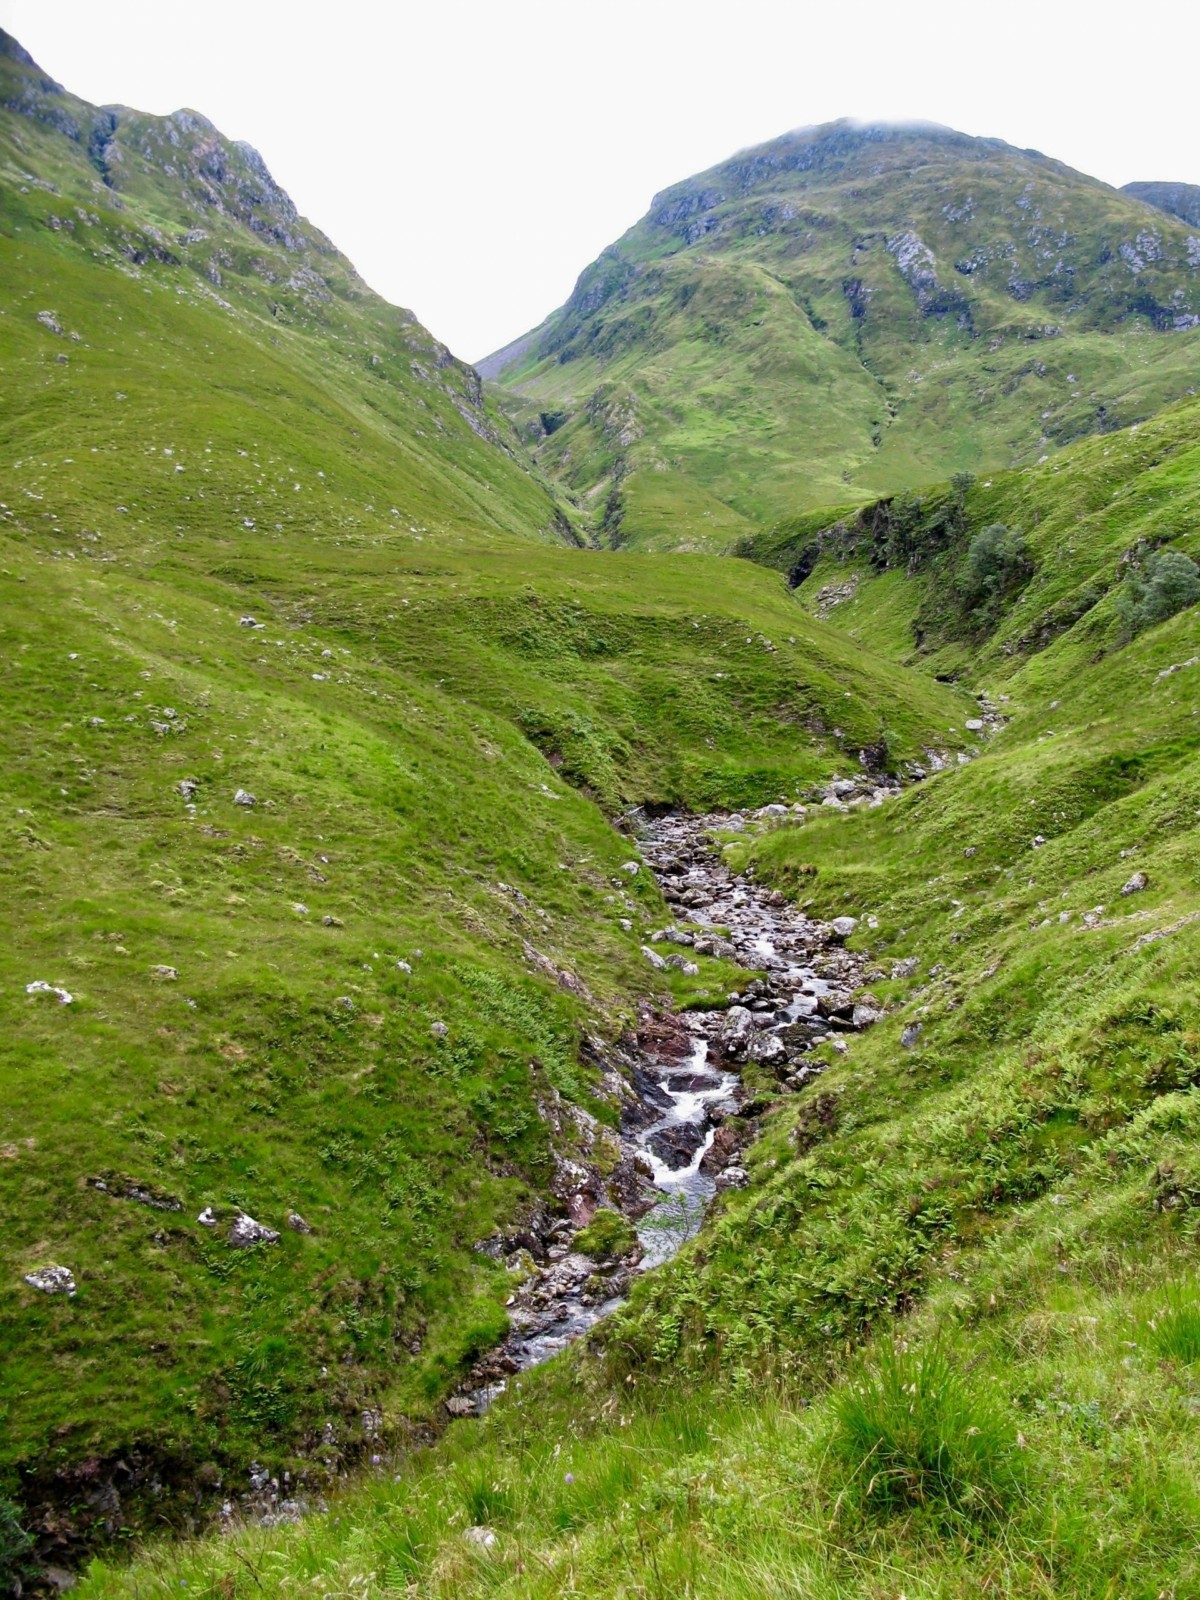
(865,296)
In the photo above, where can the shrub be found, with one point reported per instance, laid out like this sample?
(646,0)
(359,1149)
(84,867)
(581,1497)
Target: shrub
(911,1432)
(1167,582)
(995,567)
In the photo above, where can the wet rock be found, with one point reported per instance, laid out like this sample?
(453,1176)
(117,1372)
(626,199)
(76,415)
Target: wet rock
(732,1178)
(244,1231)
(677,1144)
(52,1280)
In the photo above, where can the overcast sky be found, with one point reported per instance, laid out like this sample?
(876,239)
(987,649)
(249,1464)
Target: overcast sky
(471,156)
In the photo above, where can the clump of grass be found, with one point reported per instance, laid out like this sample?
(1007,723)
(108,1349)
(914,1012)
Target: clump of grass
(607,1236)
(909,1431)
(1173,1331)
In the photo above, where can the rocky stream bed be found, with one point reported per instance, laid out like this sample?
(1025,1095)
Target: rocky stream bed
(686,1109)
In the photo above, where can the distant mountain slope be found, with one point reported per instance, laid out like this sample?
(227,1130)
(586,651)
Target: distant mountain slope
(1177,199)
(198,221)
(846,310)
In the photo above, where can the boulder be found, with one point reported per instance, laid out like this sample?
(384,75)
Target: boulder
(243,797)
(52,1280)
(911,1036)
(653,957)
(843,927)
(737,1030)
(732,1178)
(244,1231)
(1136,884)
(768,1049)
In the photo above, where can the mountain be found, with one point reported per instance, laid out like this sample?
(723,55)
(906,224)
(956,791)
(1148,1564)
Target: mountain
(1180,200)
(315,730)
(845,311)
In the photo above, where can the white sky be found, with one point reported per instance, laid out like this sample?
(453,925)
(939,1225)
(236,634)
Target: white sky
(472,156)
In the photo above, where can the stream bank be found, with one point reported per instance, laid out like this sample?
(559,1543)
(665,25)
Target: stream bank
(687,1110)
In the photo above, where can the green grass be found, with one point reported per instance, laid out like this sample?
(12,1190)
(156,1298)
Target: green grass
(441,710)
(756,346)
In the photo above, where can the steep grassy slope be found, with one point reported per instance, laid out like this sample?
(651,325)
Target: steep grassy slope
(896,572)
(98,199)
(239,558)
(846,311)
(946,1342)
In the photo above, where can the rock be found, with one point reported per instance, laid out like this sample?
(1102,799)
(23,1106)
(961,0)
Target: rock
(187,787)
(974,724)
(676,1145)
(243,797)
(625,925)
(250,622)
(737,1030)
(911,1036)
(843,927)
(164,974)
(840,1046)
(40,986)
(297,1223)
(653,957)
(767,1049)
(905,968)
(676,936)
(207,1218)
(244,1231)
(459,1405)
(1136,884)
(50,321)
(439,1030)
(52,1280)
(732,1178)
(332,922)
(481,1538)
(771,811)
(682,964)
(631,867)
(1039,840)
(404,966)
(834,1003)
(842,788)
(864,1016)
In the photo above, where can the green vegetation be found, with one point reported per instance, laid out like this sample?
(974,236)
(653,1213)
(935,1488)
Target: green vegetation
(317,719)
(237,557)
(845,312)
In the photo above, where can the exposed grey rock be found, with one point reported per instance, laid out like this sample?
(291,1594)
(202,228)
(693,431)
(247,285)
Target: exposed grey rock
(297,1223)
(1039,840)
(844,927)
(164,974)
(1136,884)
(244,1231)
(439,1030)
(737,1030)
(768,1049)
(911,1036)
(52,1280)
(187,787)
(631,867)
(207,1218)
(481,1538)
(682,964)
(40,986)
(732,1178)
(905,968)
(653,957)
(864,1016)
(50,321)
(974,724)
(332,922)
(243,797)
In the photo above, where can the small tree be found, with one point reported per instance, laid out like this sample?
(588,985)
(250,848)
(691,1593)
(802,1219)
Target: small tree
(1168,582)
(997,564)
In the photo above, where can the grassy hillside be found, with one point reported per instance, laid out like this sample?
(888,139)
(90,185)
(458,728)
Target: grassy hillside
(848,311)
(946,1342)
(314,727)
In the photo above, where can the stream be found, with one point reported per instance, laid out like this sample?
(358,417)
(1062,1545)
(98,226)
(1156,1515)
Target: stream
(686,1110)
